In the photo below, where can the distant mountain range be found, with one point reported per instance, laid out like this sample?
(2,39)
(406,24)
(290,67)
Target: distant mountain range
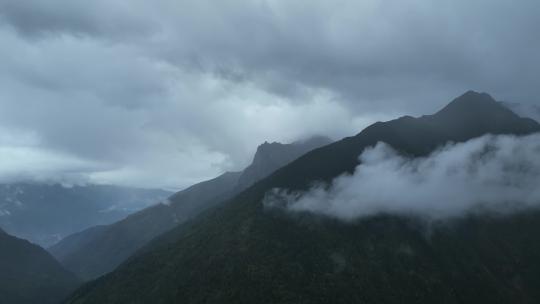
(46,213)
(240,252)
(30,275)
(101,249)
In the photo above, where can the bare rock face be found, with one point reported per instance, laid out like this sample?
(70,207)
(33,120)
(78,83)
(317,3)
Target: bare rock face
(272,156)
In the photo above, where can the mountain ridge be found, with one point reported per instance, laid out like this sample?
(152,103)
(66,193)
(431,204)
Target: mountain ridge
(243,253)
(29,274)
(96,251)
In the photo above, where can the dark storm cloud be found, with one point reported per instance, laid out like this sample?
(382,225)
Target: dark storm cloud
(379,54)
(171,92)
(37,19)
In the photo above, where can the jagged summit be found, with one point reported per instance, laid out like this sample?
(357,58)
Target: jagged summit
(467,116)
(270,156)
(99,250)
(473,95)
(245,253)
(474,114)
(472,102)
(314,141)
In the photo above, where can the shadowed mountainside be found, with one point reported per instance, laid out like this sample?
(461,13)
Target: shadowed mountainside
(29,274)
(241,252)
(99,250)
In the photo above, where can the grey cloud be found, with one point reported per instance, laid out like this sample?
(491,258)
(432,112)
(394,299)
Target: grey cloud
(171,92)
(496,174)
(38,19)
(373,54)
(140,121)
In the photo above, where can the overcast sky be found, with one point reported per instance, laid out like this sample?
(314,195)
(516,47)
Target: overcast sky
(166,93)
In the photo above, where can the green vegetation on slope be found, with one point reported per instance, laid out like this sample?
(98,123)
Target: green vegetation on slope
(29,274)
(244,253)
(99,250)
